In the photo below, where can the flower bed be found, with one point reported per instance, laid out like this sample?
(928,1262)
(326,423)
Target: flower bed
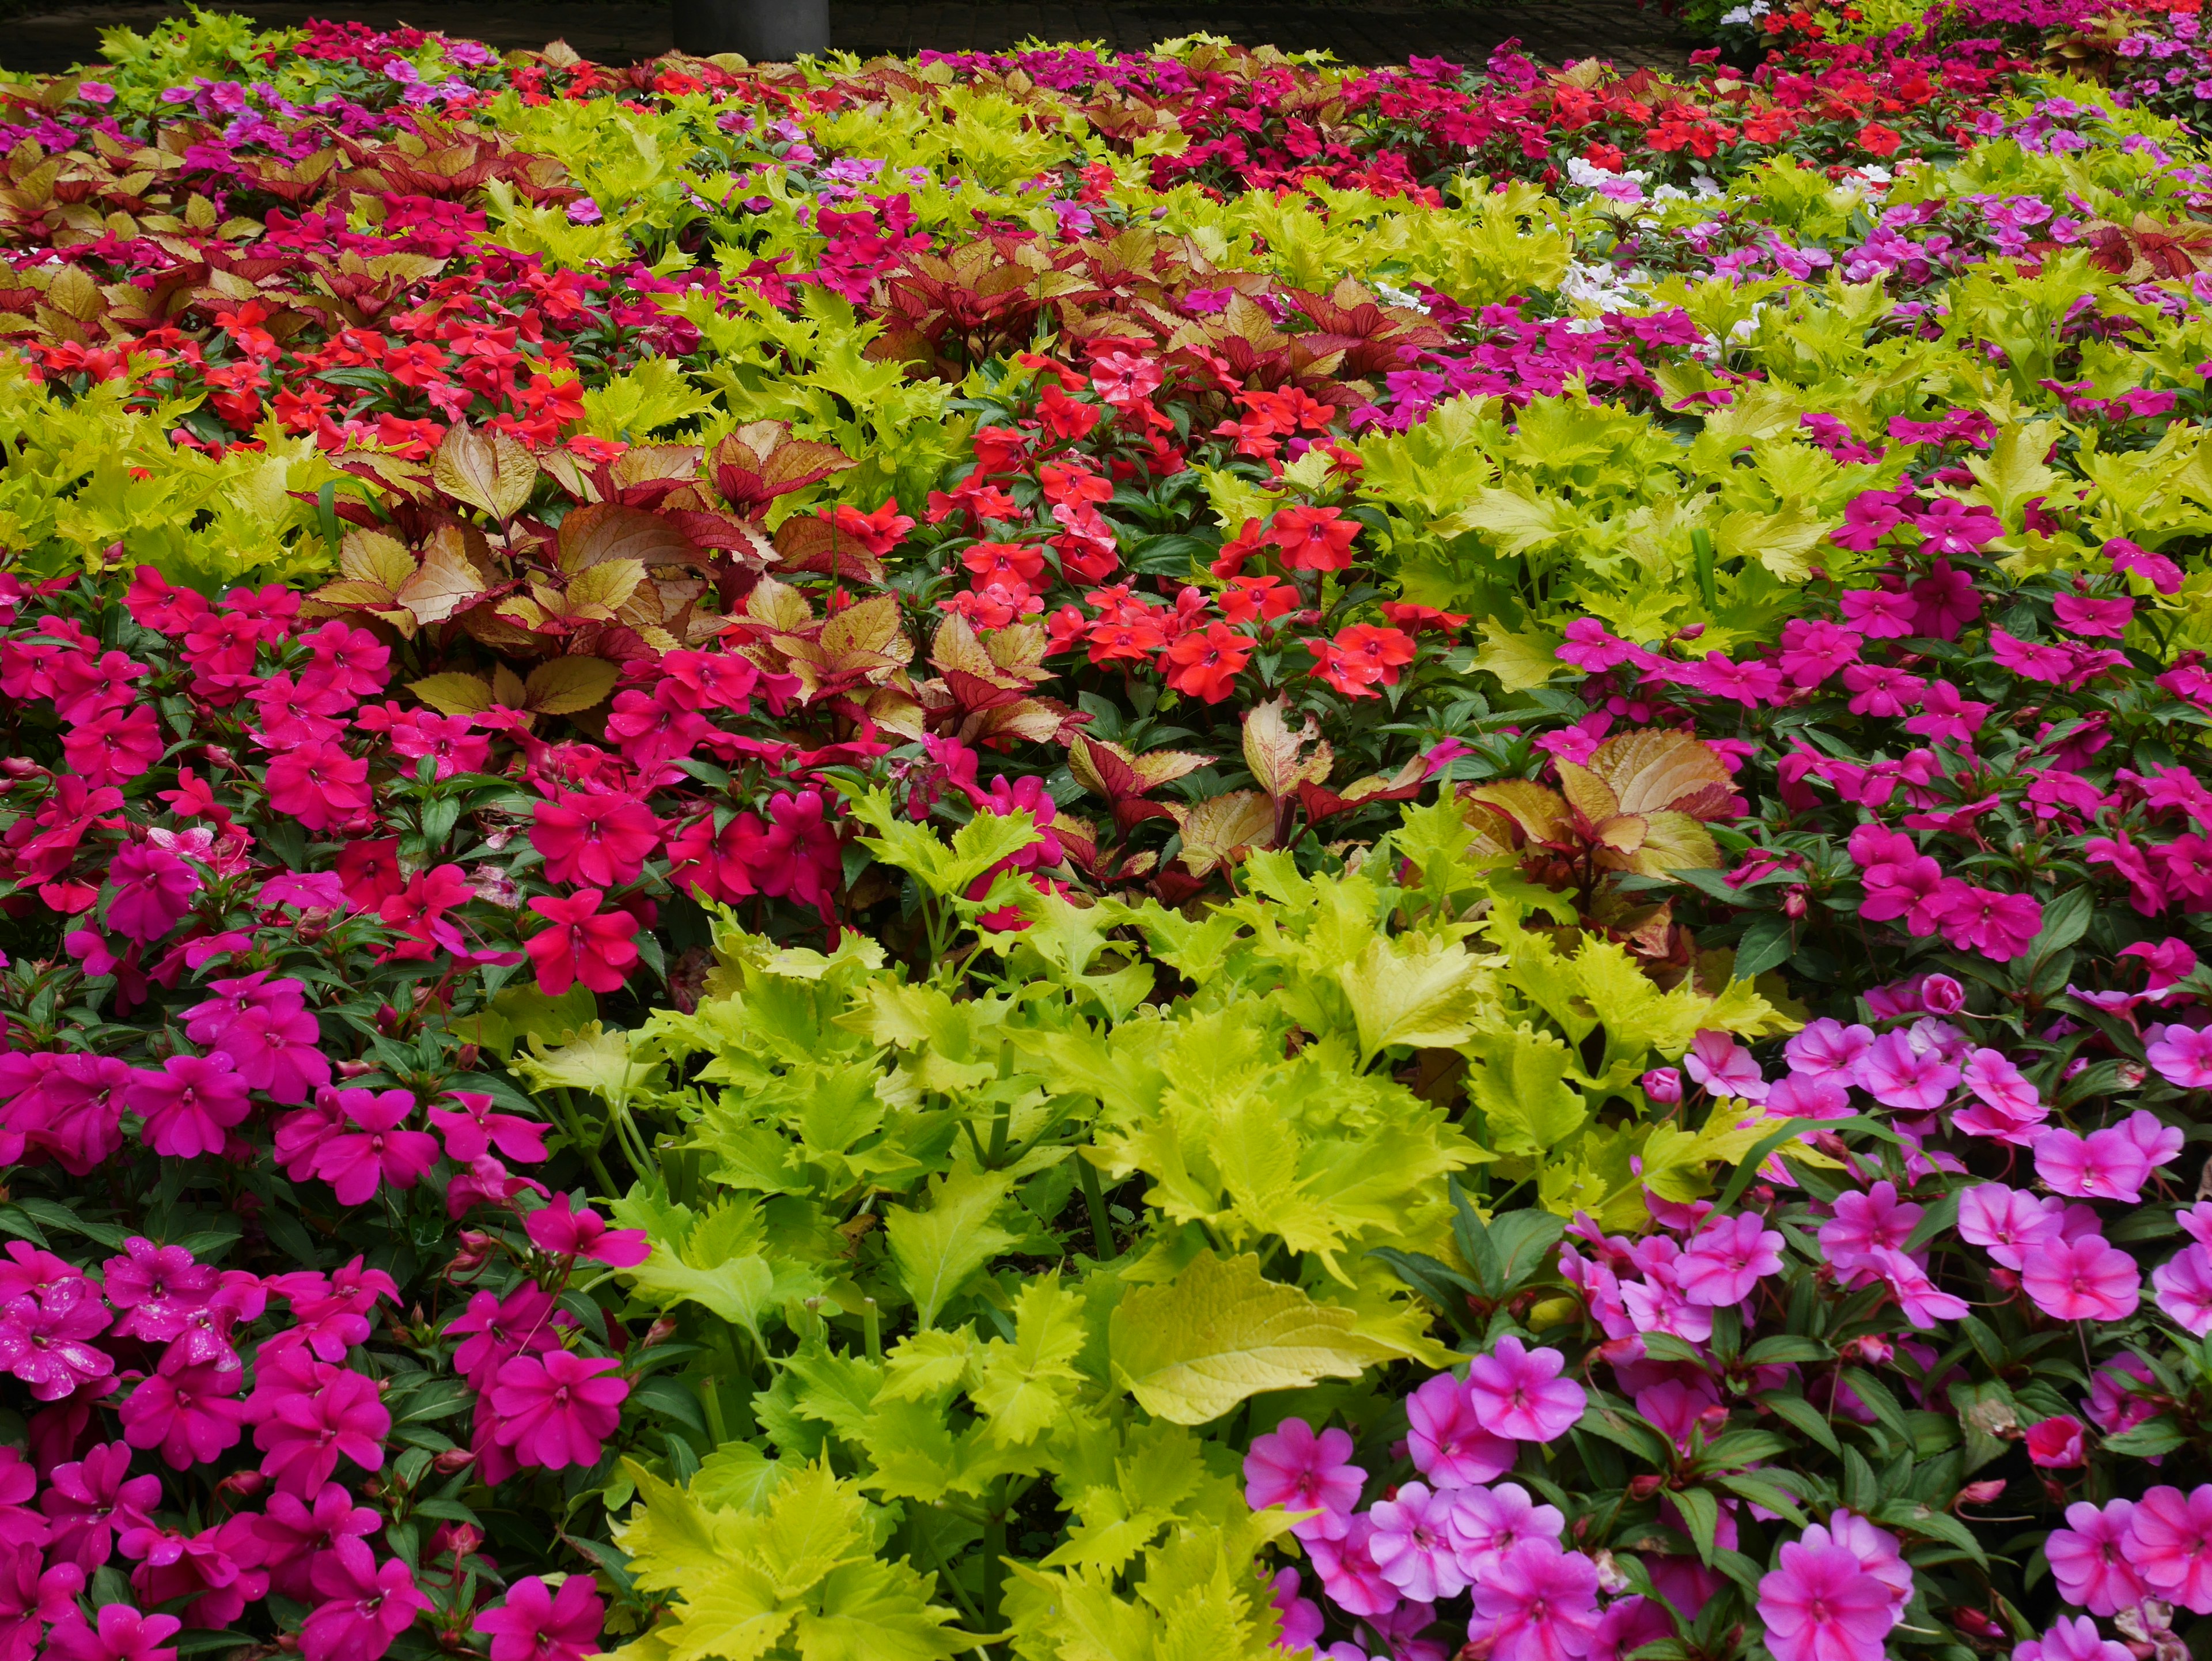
(1103,856)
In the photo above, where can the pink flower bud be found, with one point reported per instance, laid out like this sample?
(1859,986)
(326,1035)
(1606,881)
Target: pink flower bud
(1663,1086)
(1942,995)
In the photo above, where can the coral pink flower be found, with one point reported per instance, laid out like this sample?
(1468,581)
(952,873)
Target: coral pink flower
(1446,1437)
(581,943)
(584,1233)
(556,1410)
(2171,1536)
(366,1607)
(2090,1557)
(1412,1543)
(598,841)
(534,1624)
(1294,1468)
(1518,1393)
(1821,1606)
(2084,1278)
(1537,1603)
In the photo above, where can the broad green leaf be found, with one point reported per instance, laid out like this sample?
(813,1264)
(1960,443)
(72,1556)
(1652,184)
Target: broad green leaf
(1219,1332)
(938,1249)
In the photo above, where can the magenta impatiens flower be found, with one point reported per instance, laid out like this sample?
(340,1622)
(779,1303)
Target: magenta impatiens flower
(377,1149)
(45,1338)
(192,1414)
(154,890)
(535,1624)
(2090,1557)
(1537,1603)
(1726,1259)
(2074,1637)
(1518,1393)
(366,1606)
(1820,1605)
(189,1105)
(2055,1443)
(580,942)
(117,1633)
(474,1129)
(1413,1543)
(2084,1278)
(1446,1437)
(558,1408)
(1294,1468)
(2170,1545)
(594,841)
(89,1500)
(1349,1572)
(560,1228)
(309,1414)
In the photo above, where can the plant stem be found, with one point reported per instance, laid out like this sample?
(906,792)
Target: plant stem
(1102,1226)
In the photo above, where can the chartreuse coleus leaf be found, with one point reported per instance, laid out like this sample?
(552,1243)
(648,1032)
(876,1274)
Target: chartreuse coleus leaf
(1221,1331)
(803,1571)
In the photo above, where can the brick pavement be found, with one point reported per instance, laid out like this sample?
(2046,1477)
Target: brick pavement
(47,39)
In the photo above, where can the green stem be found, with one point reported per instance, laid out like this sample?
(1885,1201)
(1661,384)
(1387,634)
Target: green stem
(994,1551)
(1102,1226)
(1701,552)
(999,1123)
(710,1403)
(589,1148)
(871,1322)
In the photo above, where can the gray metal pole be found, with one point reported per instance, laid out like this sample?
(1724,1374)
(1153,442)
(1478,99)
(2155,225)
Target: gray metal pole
(765,31)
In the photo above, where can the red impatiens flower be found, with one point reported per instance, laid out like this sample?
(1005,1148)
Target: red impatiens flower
(581,943)
(1360,656)
(601,841)
(115,747)
(1204,663)
(878,532)
(1313,539)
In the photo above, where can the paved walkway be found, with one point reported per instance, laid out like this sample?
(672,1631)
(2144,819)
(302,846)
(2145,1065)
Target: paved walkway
(48,39)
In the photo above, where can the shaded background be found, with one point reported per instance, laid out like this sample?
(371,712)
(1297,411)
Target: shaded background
(47,39)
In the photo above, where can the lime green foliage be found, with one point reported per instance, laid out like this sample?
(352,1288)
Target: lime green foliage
(868,1181)
(94,481)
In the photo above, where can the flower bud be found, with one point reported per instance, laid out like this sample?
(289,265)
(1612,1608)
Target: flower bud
(1643,1487)
(1663,1086)
(468,1058)
(1980,1493)
(658,1333)
(1795,903)
(1870,1350)
(244,1483)
(355,1069)
(1942,995)
(452,1460)
(1975,1624)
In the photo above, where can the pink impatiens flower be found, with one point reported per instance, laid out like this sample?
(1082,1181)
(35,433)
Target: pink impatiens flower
(2084,1278)
(556,1409)
(192,1415)
(594,841)
(1447,1440)
(1412,1546)
(117,1633)
(1819,1604)
(473,1129)
(1349,1572)
(1518,1393)
(1487,1523)
(2007,1223)
(45,1338)
(535,1624)
(2090,1557)
(2006,1106)
(1727,1258)
(1901,1073)
(1537,1603)
(89,1500)
(2170,1536)
(2183,1056)
(2183,1288)
(1724,1066)
(1294,1468)
(2105,1165)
